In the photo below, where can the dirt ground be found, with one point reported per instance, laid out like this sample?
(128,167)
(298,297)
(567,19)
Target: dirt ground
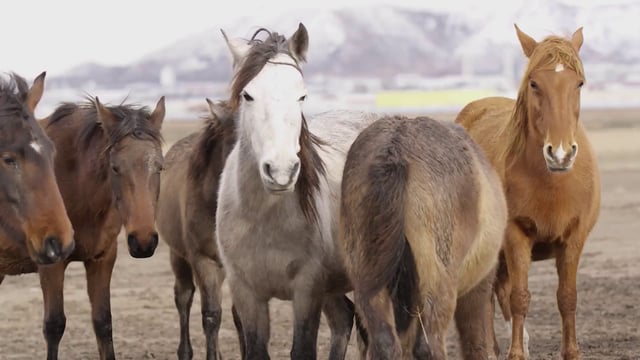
(145,322)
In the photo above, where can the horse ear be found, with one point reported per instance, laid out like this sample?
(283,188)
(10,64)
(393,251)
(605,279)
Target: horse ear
(216,109)
(105,116)
(35,92)
(238,48)
(299,43)
(157,116)
(576,39)
(527,42)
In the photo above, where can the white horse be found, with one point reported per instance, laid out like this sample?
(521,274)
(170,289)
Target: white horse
(278,199)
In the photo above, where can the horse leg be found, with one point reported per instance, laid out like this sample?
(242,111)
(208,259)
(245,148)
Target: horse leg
(567,261)
(306,315)
(209,277)
(1,278)
(238,324)
(378,318)
(183,290)
(517,251)
(253,314)
(363,337)
(435,318)
(99,289)
(473,314)
(339,313)
(52,284)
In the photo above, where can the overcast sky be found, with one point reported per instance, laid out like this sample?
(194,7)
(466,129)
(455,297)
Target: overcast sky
(56,35)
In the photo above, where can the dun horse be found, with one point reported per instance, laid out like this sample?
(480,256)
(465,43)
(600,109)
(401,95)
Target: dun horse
(108,169)
(422,218)
(553,193)
(276,217)
(34,227)
(186,222)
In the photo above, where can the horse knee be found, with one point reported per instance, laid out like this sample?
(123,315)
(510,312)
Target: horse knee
(520,301)
(211,320)
(567,301)
(102,325)
(54,327)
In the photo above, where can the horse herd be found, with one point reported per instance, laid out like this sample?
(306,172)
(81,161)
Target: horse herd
(423,220)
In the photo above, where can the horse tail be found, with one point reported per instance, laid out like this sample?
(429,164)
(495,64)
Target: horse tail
(387,259)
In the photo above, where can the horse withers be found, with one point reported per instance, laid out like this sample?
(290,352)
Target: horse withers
(549,172)
(108,165)
(34,227)
(421,222)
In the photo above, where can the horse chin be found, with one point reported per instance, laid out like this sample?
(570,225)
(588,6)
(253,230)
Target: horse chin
(275,189)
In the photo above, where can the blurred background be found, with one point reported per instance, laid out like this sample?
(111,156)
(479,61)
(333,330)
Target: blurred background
(407,56)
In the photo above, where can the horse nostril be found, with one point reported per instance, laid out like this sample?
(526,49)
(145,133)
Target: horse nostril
(550,151)
(295,168)
(52,247)
(266,167)
(132,241)
(574,149)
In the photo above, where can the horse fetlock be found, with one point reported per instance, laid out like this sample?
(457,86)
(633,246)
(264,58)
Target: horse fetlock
(185,352)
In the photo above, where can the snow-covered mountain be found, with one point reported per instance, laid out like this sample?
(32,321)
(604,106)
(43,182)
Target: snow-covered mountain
(384,41)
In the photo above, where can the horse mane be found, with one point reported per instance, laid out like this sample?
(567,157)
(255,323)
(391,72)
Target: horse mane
(13,95)
(260,53)
(547,54)
(311,169)
(132,121)
(216,132)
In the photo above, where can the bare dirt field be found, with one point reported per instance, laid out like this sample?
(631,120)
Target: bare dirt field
(145,322)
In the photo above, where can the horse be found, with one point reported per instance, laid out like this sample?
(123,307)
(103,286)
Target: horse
(553,194)
(422,215)
(185,219)
(34,227)
(277,206)
(108,169)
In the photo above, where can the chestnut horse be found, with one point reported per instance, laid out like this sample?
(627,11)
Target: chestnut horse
(34,227)
(186,222)
(108,168)
(421,222)
(552,193)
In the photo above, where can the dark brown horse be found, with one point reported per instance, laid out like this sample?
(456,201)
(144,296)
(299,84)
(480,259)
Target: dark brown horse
(108,168)
(421,223)
(552,192)
(34,227)
(186,221)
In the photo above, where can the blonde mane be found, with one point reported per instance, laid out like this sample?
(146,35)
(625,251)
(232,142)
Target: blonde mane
(550,52)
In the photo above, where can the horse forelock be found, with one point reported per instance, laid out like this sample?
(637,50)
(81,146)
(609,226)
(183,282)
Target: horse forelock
(260,53)
(312,170)
(13,97)
(550,52)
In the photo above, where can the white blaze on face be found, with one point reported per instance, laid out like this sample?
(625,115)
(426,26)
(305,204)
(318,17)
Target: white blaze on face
(560,153)
(36,146)
(559,67)
(273,119)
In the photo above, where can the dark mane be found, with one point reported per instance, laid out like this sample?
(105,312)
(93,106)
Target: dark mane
(311,169)
(132,121)
(13,95)
(217,133)
(259,54)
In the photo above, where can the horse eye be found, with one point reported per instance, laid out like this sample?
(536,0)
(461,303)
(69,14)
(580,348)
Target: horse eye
(9,160)
(580,84)
(533,85)
(247,97)
(302,98)
(115,169)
